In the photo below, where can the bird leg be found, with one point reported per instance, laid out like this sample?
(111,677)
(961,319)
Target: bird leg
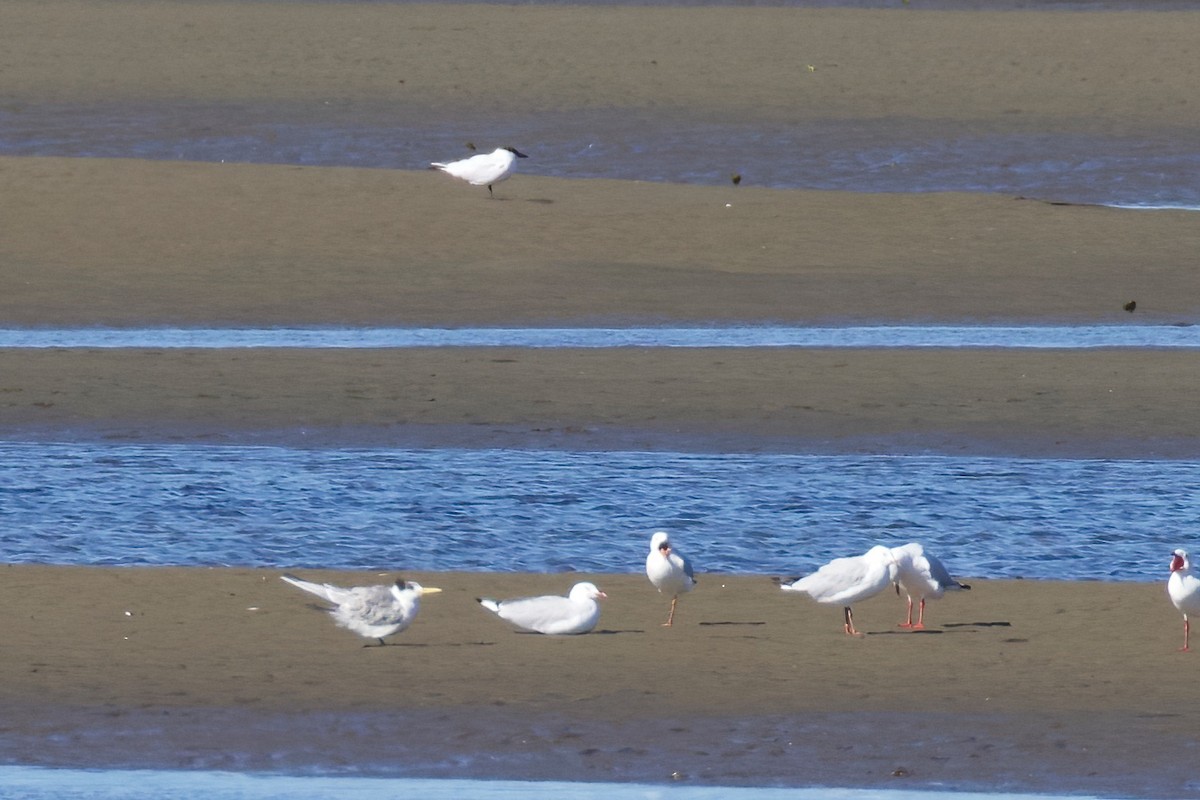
(1187,630)
(908,623)
(920,626)
(849,622)
(671,616)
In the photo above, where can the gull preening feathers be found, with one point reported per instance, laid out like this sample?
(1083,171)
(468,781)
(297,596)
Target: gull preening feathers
(845,581)
(669,571)
(553,614)
(484,169)
(370,611)
(1183,587)
(921,575)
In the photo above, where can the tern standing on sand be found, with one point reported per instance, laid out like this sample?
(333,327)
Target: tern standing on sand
(484,169)
(552,614)
(669,571)
(370,611)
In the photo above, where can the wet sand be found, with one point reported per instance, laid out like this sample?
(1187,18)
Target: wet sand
(124,242)
(1006,69)
(1038,685)
(1049,686)
(202,244)
(1104,403)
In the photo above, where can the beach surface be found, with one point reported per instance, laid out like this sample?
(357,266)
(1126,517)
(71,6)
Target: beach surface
(1014,685)
(1017,685)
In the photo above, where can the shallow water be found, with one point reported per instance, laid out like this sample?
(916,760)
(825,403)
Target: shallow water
(1030,336)
(32,783)
(1155,168)
(544,511)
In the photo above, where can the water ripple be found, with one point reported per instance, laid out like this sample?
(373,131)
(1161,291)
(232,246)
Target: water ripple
(446,509)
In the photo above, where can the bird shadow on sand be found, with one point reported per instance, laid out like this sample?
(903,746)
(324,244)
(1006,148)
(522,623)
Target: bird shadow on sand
(319,607)
(572,635)
(427,644)
(952,627)
(545,201)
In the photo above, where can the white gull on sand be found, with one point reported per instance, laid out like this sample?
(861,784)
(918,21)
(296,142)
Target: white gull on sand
(921,575)
(669,571)
(576,613)
(846,581)
(1183,587)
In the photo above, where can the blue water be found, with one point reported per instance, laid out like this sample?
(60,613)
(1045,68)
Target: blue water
(1029,336)
(551,511)
(31,783)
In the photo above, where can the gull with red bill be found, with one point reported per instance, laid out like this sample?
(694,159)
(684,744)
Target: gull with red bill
(669,570)
(552,614)
(1183,587)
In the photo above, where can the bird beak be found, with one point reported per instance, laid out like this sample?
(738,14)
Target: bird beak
(602,595)
(429,590)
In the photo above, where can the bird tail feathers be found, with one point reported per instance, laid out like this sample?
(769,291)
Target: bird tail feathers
(312,588)
(786,584)
(489,604)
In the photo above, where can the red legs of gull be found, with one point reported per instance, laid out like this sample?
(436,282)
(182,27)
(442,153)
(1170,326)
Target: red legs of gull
(908,623)
(920,624)
(921,617)
(850,622)
(671,616)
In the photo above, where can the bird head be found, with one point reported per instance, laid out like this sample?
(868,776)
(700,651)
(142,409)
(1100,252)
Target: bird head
(1179,560)
(412,587)
(586,591)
